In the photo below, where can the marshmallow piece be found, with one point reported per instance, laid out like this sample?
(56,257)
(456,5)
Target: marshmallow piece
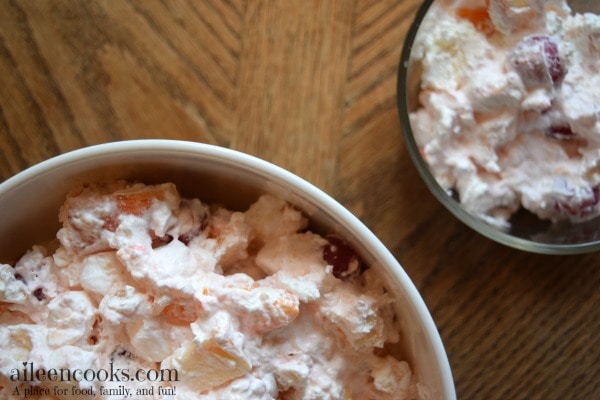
(70,318)
(124,305)
(393,376)
(100,272)
(271,217)
(293,371)
(260,307)
(297,254)
(12,290)
(356,315)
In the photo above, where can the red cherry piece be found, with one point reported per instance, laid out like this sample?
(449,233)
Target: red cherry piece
(341,256)
(39,294)
(561,132)
(536,59)
(586,207)
(161,241)
(188,236)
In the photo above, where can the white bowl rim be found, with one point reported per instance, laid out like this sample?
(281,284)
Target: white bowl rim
(235,157)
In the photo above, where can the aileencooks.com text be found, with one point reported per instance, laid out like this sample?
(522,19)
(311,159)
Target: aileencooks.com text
(29,373)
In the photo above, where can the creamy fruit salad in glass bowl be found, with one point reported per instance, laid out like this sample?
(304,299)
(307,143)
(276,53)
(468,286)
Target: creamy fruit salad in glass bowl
(500,110)
(165,269)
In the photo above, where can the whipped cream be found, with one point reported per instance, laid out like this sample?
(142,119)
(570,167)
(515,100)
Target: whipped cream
(509,112)
(146,290)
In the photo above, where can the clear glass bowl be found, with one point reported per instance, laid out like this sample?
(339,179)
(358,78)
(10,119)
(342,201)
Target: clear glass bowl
(526,231)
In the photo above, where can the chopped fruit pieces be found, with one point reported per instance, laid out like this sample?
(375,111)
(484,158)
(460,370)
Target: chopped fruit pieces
(89,214)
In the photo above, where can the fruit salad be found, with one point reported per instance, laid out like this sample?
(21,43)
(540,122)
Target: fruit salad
(147,294)
(509,107)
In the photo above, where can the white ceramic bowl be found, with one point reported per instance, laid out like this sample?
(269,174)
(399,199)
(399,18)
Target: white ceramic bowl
(30,202)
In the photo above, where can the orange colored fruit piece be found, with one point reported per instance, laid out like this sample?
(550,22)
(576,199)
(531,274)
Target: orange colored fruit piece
(137,202)
(479,17)
(180,313)
(278,312)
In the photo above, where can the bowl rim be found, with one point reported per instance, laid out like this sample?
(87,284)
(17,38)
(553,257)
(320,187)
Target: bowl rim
(322,200)
(438,192)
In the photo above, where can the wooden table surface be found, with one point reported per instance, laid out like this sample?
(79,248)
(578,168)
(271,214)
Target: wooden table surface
(309,86)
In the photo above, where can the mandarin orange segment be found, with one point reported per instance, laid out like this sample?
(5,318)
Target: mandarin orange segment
(479,17)
(288,307)
(178,313)
(278,312)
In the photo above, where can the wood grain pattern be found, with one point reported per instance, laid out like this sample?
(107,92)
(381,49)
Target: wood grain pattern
(308,85)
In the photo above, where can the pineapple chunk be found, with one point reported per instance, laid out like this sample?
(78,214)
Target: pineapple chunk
(214,357)
(510,15)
